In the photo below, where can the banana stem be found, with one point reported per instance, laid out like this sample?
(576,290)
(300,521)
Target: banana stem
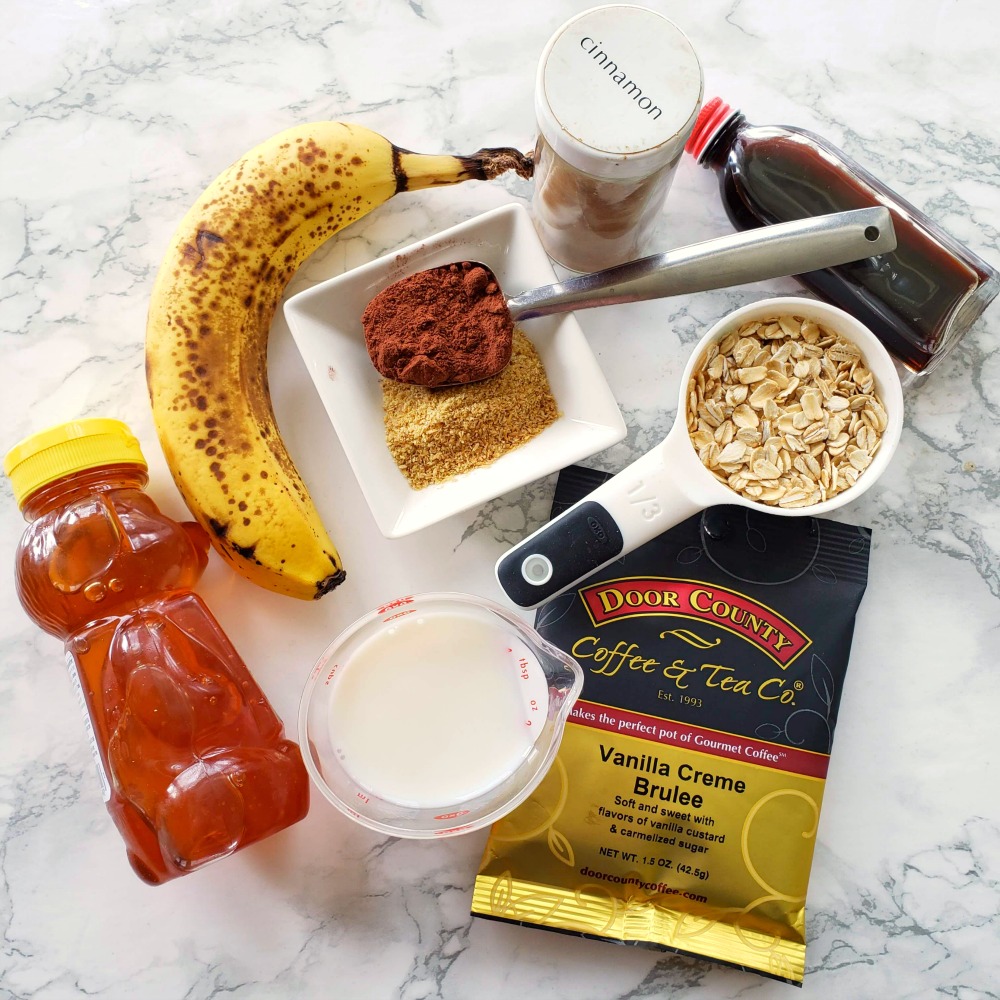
(415,171)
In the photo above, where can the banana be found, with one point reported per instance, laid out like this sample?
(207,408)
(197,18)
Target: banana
(210,313)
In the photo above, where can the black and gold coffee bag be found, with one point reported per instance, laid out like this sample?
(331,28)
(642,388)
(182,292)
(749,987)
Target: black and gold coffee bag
(682,809)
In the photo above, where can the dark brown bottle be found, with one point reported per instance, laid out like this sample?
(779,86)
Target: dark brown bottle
(919,300)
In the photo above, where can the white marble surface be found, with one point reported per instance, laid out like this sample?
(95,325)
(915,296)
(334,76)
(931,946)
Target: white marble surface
(114,115)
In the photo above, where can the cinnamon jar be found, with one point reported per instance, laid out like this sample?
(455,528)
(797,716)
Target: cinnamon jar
(617,93)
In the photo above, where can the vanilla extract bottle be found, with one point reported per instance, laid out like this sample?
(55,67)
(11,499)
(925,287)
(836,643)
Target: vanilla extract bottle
(919,300)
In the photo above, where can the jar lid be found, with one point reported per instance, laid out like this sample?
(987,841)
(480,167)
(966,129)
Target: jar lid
(67,448)
(617,91)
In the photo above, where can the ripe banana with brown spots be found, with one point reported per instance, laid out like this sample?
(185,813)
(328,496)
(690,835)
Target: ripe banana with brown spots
(210,314)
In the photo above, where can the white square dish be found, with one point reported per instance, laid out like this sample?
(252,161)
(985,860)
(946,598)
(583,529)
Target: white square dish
(325,322)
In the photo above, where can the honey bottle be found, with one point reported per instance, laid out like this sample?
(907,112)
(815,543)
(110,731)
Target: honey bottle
(918,300)
(191,757)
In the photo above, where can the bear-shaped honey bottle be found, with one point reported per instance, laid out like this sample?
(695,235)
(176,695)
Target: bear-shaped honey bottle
(192,758)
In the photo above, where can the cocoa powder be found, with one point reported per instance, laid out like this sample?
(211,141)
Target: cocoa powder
(445,325)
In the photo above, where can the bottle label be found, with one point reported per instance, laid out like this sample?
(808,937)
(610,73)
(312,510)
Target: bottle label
(74,679)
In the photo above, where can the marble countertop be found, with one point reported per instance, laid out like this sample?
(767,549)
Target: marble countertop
(115,115)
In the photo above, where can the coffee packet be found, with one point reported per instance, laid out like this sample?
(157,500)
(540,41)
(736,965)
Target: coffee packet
(682,809)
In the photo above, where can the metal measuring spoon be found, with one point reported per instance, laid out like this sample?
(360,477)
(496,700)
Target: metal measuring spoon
(669,483)
(399,347)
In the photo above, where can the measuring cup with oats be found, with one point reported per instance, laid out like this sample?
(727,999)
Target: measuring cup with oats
(789,405)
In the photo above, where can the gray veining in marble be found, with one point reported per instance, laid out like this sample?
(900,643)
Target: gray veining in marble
(114,114)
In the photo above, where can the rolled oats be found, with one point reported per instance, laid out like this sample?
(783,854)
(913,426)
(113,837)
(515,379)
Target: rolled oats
(784,412)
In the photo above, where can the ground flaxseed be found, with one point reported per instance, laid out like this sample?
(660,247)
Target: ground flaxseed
(434,434)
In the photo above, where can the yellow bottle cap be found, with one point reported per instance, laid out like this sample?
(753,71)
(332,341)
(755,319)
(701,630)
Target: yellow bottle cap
(67,448)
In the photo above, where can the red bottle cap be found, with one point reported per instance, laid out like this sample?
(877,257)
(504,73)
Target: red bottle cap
(711,118)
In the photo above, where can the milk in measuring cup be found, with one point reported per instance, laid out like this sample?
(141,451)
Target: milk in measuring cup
(437,708)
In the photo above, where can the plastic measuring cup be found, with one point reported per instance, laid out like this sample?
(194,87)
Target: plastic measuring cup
(435,715)
(669,483)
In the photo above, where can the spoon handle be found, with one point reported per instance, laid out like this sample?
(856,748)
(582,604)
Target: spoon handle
(756,255)
(659,489)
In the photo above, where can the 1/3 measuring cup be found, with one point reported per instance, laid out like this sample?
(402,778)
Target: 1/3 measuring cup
(670,483)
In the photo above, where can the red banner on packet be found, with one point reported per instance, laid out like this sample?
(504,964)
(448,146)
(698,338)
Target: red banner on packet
(624,598)
(616,720)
